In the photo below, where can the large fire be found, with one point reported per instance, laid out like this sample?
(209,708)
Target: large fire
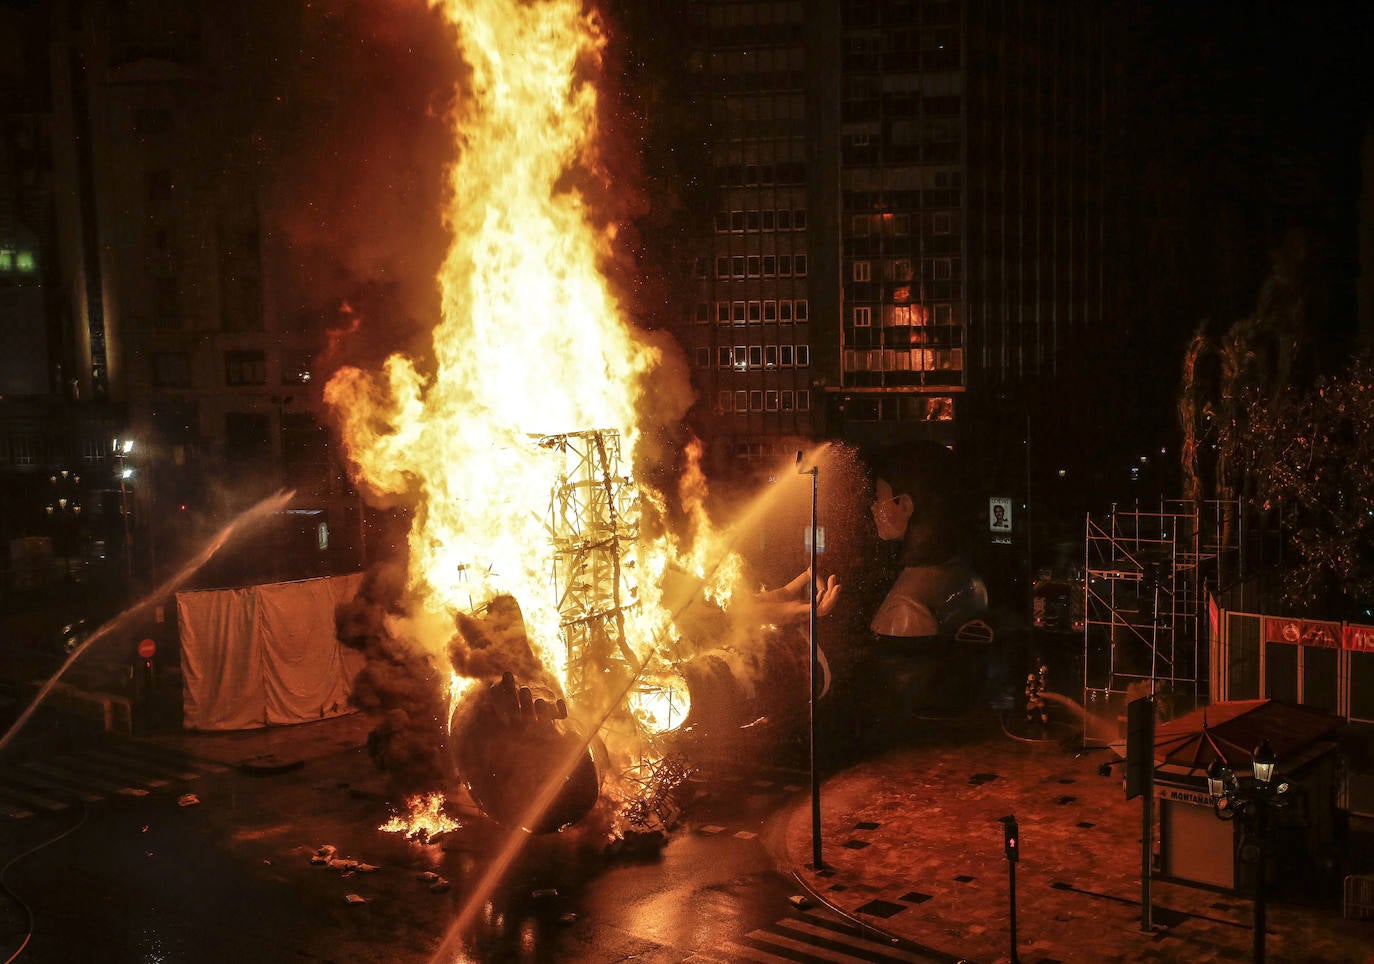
(531,345)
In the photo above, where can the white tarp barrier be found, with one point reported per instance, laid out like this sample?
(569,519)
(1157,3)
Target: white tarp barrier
(265,654)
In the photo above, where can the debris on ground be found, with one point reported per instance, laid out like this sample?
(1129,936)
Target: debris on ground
(428,876)
(355,898)
(544,892)
(800,901)
(187,800)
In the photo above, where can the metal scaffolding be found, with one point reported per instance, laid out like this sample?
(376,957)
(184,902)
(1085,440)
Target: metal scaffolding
(1147,575)
(593,523)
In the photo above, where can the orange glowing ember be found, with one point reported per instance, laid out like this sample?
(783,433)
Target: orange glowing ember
(424,820)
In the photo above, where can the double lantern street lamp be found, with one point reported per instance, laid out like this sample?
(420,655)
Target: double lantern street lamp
(1250,800)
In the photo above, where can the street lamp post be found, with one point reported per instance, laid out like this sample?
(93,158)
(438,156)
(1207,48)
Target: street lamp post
(123,448)
(1251,801)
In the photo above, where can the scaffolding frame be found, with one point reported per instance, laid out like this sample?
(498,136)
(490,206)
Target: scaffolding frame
(594,525)
(1147,576)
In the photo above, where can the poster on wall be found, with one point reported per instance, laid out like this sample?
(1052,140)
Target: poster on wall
(1302,632)
(999,519)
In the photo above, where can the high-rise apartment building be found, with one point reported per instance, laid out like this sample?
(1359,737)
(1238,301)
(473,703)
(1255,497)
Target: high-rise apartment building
(907,220)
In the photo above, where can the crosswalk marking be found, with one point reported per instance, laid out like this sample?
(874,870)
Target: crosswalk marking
(90,774)
(816,937)
(849,937)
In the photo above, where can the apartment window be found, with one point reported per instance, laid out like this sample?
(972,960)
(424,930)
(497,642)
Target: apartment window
(944,314)
(800,311)
(784,220)
(756,401)
(699,267)
(799,219)
(901,270)
(723,356)
(767,220)
(940,223)
(799,265)
(770,401)
(736,220)
(722,222)
(703,312)
(770,311)
(737,312)
(737,266)
(787,356)
(770,356)
(741,358)
(755,356)
(755,312)
(944,269)
(726,401)
(171,369)
(803,400)
(722,267)
(703,356)
(741,402)
(862,270)
(861,225)
(787,401)
(723,312)
(245,368)
(784,265)
(863,316)
(755,265)
(803,356)
(770,266)
(784,311)
(751,220)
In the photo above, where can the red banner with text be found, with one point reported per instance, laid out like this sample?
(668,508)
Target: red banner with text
(1302,632)
(1359,639)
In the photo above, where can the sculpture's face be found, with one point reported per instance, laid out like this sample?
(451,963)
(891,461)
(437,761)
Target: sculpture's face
(891,513)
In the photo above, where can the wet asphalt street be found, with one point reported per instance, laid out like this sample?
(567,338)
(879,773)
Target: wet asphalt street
(107,859)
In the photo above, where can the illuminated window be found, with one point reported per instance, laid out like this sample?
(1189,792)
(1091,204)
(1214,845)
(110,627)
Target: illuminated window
(741,358)
(770,356)
(25,262)
(6,260)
